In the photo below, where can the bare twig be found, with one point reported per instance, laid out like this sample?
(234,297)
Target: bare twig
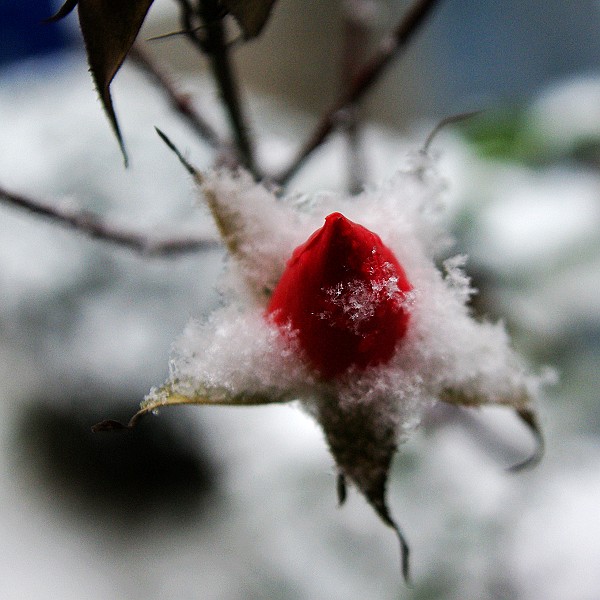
(362,82)
(357,18)
(193,27)
(211,40)
(218,51)
(180,102)
(94,226)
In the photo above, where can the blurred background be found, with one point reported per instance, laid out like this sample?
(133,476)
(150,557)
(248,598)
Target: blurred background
(228,504)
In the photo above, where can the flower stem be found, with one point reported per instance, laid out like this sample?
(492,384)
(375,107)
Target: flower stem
(215,45)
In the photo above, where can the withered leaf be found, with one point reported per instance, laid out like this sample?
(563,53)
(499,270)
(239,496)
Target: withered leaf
(109,28)
(363,442)
(521,405)
(251,15)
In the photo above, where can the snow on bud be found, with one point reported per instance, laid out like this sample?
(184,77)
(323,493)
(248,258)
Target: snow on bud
(345,294)
(337,325)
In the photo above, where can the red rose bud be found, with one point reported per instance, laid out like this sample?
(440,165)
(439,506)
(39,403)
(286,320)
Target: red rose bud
(344,292)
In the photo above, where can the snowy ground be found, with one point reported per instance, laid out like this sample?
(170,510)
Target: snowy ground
(223,503)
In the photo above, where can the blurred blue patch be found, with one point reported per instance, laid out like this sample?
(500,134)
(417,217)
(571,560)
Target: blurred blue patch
(23,32)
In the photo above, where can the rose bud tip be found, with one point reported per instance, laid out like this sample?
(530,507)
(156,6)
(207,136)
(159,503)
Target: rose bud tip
(343,292)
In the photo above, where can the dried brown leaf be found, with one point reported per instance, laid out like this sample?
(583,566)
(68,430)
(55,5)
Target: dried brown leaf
(109,28)
(363,442)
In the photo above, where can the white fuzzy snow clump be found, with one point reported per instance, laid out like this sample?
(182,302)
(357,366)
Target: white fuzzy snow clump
(239,357)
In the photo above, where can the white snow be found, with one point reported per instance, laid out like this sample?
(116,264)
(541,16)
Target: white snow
(73,308)
(444,350)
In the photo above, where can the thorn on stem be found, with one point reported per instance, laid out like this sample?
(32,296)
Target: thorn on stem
(170,34)
(188,166)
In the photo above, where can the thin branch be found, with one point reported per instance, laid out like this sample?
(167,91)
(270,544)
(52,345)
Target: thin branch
(179,102)
(357,21)
(218,52)
(94,226)
(192,26)
(363,81)
(210,40)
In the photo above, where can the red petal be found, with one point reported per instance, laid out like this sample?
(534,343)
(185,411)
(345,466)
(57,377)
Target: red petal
(343,291)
